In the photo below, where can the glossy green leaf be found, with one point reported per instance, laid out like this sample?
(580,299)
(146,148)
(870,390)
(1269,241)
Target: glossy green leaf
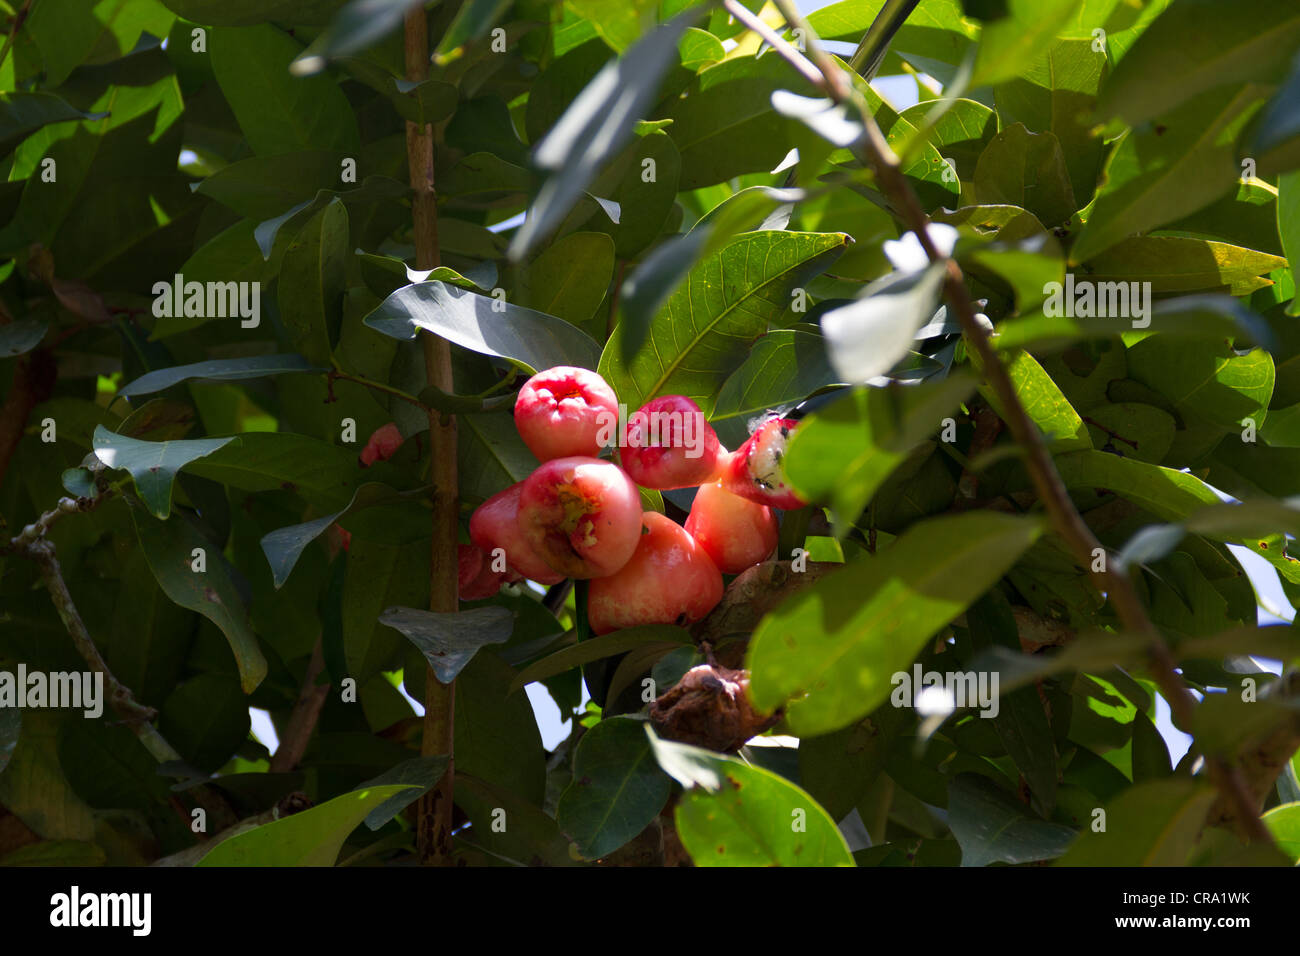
(1021,168)
(617,788)
(153,465)
(417,776)
(704,331)
(533,340)
(598,648)
(20,337)
(284,546)
(1008,42)
(595,127)
(569,279)
(1159,174)
(173,549)
(1283,822)
(1151,824)
(827,654)
(735,814)
(278,112)
(992,826)
(217,370)
(1196,45)
(450,640)
(312,283)
(843,453)
(1050,410)
(310,838)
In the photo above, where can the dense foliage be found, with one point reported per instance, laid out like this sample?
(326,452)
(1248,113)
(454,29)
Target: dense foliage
(195,352)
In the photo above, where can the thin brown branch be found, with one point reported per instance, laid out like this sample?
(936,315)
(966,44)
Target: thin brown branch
(1065,518)
(302,719)
(435,809)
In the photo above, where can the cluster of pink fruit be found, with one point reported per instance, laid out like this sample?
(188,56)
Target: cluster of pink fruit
(580,516)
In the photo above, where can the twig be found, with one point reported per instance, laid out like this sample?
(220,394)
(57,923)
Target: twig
(434,843)
(1065,518)
(337,374)
(305,714)
(755,24)
(19,18)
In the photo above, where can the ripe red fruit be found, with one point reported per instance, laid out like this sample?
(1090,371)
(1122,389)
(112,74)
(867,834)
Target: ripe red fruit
(581,515)
(669,580)
(754,470)
(476,579)
(495,524)
(668,444)
(383,445)
(565,411)
(735,532)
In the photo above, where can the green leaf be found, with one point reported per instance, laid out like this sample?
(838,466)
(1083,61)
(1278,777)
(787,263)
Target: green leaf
(1151,824)
(1020,168)
(1150,755)
(734,814)
(242,13)
(569,279)
(419,775)
(595,127)
(312,282)
(597,648)
(994,827)
(1288,223)
(262,187)
(785,366)
(153,465)
(1205,377)
(1196,45)
(828,653)
(1282,821)
(361,23)
(867,337)
(1056,91)
(843,453)
(704,331)
(491,454)
(473,20)
(217,370)
(1184,265)
(1277,136)
(1158,174)
(1050,410)
(1205,316)
(284,546)
(310,838)
(961,133)
(1021,722)
(1013,40)
(170,548)
(278,112)
(21,114)
(449,641)
(936,29)
(20,337)
(324,474)
(532,340)
(617,789)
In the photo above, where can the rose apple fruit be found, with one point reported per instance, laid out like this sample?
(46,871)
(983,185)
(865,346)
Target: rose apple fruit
(495,524)
(383,445)
(668,444)
(735,532)
(581,515)
(565,411)
(754,470)
(670,579)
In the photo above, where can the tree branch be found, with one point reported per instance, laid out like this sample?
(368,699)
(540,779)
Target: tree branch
(305,714)
(435,808)
(1118,587)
